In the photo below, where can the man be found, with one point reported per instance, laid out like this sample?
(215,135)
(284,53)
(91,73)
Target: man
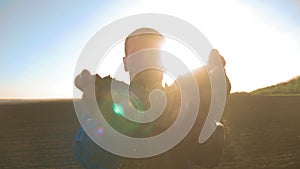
(141,84)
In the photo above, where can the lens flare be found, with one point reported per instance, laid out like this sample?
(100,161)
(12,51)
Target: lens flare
(118,109)
(100,130)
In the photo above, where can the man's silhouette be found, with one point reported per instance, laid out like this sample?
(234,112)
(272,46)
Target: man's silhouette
(189,150)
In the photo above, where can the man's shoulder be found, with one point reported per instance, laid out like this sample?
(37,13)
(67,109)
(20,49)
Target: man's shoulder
(200,75)
(108,83)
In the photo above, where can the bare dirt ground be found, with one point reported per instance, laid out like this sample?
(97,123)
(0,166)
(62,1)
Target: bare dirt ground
(262,133)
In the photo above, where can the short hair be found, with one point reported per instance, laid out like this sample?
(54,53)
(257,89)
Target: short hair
(142,32)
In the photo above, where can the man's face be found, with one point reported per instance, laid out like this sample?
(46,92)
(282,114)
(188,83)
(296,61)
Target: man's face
(141,42)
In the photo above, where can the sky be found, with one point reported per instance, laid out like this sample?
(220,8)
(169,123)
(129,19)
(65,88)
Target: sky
(40,41)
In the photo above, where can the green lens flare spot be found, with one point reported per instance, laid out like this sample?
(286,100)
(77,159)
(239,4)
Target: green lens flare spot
(118,109)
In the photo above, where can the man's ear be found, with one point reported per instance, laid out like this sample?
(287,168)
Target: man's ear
(125,64)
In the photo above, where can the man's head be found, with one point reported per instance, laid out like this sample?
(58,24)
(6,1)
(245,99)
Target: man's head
(140,40)
(143,38)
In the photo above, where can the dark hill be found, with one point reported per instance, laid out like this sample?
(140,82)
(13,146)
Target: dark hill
(291,87)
